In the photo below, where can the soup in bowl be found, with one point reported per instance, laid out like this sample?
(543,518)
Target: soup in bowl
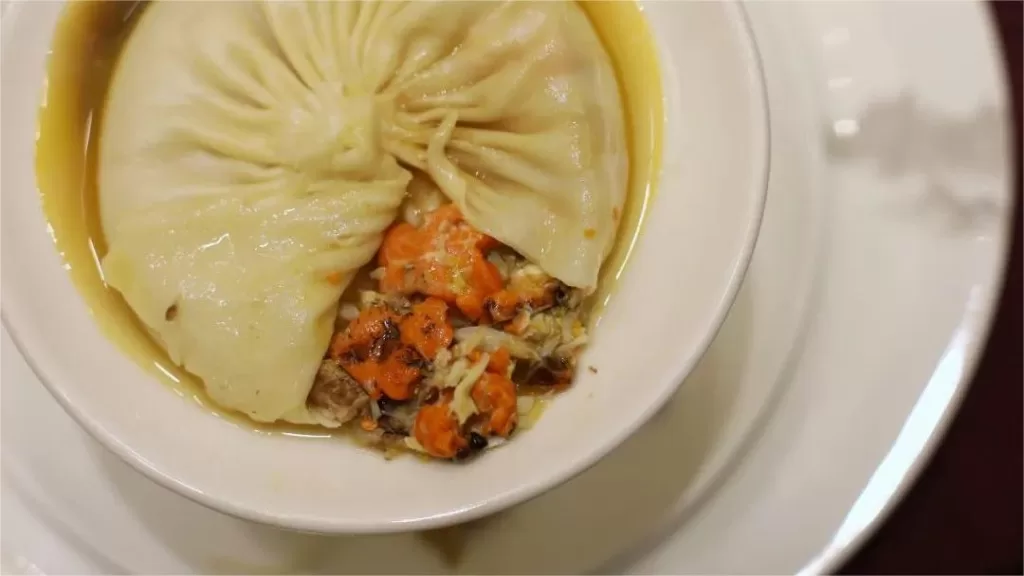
(357,267)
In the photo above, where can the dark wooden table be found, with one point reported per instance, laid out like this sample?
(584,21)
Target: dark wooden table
(964,515)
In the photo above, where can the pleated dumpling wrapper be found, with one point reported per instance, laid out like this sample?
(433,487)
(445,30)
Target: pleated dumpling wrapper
(253,154)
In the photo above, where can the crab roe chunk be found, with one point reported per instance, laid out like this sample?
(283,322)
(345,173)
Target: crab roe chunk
(495,397)
(445,258)
(438,431)
(371,351)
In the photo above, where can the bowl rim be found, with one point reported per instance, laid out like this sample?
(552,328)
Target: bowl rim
(760,171)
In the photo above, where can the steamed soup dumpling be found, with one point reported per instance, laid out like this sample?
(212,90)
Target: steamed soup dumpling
(254,153)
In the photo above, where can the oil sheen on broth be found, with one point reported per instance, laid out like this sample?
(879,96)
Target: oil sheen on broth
(86,44)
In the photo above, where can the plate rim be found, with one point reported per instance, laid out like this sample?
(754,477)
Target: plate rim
(969,341)
(978,340)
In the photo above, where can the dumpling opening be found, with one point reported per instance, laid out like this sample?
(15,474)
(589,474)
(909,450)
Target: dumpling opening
(450,344)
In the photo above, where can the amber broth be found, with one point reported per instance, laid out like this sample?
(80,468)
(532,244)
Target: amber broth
(87,41)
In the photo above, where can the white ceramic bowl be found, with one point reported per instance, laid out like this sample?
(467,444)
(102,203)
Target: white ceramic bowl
(679,285)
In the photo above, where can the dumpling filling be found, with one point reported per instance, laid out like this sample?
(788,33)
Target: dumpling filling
(445,356)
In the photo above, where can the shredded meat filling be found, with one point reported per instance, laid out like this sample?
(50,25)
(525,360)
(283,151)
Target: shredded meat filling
(461,328)
(338,393)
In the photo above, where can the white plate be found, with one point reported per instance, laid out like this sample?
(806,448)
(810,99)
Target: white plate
(898,156)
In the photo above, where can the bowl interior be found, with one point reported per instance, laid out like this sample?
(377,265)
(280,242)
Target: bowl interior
(680,281)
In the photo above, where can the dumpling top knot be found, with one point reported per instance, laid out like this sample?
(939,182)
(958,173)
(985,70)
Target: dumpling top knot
(331,132)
